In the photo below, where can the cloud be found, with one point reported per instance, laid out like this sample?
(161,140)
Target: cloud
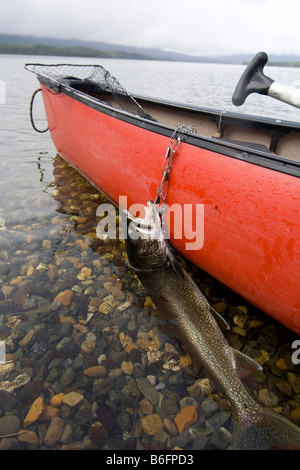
(192,26)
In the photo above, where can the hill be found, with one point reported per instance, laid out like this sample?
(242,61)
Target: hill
(78,51)
(75,47)
(148,53)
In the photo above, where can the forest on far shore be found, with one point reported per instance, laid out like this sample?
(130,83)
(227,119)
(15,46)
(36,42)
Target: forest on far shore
(77,51)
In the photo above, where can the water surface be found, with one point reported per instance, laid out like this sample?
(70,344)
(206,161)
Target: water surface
(74,318)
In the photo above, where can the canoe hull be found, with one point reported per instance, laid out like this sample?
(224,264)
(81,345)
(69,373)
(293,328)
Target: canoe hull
(251,213)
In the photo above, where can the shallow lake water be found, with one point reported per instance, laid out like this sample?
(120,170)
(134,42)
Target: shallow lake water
(86,364)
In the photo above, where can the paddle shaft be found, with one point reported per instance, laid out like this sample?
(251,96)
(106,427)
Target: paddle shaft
(286,94)
(254,80)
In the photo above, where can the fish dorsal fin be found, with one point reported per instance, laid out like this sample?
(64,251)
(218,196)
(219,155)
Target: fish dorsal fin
(222,323)
(245,365)
(174,263)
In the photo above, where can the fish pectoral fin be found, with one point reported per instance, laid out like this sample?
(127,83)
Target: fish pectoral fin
(175,264)
(222,323)
(245,365)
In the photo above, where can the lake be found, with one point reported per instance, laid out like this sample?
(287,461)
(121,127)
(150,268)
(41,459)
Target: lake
(86,365)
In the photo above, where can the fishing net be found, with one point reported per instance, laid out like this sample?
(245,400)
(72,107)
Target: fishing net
(93,80)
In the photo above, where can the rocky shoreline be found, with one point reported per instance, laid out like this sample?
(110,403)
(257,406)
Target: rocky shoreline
(86,364)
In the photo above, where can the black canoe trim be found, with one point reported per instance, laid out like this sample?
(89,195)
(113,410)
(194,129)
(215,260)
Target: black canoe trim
(230,149)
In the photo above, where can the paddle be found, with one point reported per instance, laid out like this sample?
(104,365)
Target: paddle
(253,80)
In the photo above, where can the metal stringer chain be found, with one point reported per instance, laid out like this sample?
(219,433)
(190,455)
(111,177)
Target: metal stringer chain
(177,137)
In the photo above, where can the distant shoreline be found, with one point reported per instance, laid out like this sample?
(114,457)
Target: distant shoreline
(284,64)
(77,51)
(280,64)
(90,52)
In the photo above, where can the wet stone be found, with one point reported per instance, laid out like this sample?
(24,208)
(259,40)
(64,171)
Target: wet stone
(138,370)
(276,370)
(294,381)
(163,439)
(16,383)
(63,343)
(115,373)
(116,397)
(67,364)
(57,400)
(188,401)
(168,408)
(123,420)
(53,375)
(49,413)
(147,390)
(127,367)
(152,424)
(67,434)
(267,398)
(130,388)
(186,418)
(78,362)
(36,410)
(284,388)
(31,391)
(83,416)
(97,432)
(8,401)
(29,304)
(56,387)
(216,421)
(88,346)
(54,431)
(103,387)
(67,378)
(30,437)
(182,439)
(295,414)
(170,427)
(65,329)
(210,407)
(199,443)
(9,424)
(64,297)
(73,399)
(96,371)
(221,439)
(145,407)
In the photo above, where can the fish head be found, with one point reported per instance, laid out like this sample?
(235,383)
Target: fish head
(146,245)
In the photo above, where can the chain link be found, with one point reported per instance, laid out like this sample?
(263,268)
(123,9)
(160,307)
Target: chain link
(177,137)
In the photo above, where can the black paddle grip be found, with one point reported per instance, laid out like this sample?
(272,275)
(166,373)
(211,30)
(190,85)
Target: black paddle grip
(253,80)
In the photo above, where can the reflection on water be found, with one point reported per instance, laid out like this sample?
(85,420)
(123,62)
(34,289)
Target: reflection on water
(86,365)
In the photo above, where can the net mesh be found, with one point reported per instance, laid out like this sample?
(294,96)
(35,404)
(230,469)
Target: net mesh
(94,80)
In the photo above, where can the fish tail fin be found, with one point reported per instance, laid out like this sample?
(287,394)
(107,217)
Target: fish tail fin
(261,428)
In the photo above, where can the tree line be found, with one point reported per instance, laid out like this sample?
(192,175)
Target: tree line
(78,51)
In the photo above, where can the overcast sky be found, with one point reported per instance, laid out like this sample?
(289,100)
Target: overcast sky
(202,27)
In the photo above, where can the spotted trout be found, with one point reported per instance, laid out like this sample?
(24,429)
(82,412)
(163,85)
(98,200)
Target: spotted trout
(189,319)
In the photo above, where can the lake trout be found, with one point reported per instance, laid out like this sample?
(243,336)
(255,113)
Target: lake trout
(189,319)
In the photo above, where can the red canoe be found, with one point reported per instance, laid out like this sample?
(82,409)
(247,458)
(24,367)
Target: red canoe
(243,170)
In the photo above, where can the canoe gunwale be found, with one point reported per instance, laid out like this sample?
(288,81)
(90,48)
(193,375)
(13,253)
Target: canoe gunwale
(227,148)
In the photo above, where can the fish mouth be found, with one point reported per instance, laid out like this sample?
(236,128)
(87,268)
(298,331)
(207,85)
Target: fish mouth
(148,227)
(145,241)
